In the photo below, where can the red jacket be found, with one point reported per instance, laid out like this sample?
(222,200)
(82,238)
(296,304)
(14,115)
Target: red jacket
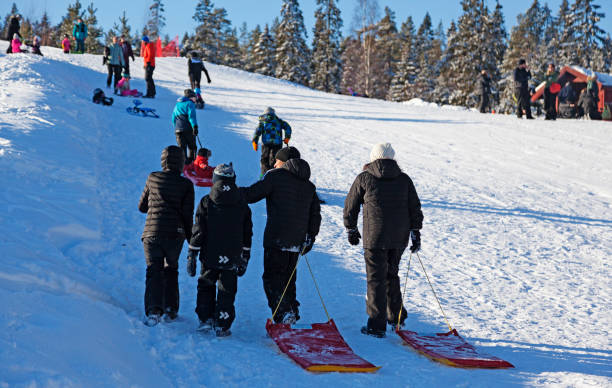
(149,54)
(202,168)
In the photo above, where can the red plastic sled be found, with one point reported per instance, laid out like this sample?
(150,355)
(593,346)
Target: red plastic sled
(189,173)
(451,349)
(319,349)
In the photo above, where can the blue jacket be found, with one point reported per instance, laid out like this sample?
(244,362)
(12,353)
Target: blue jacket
(184,115)
(271,129)
(116,55)
(79,31)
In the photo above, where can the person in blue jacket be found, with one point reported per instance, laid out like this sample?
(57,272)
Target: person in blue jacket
(186,125)
(270,129)
(79,32)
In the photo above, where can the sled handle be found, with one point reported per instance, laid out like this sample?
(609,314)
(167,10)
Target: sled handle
(286,286)
(399,316)
(317,287)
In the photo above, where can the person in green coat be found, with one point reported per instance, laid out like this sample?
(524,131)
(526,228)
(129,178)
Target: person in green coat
(550,99)
(79,32)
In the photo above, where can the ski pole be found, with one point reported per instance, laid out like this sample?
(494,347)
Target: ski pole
(399,316)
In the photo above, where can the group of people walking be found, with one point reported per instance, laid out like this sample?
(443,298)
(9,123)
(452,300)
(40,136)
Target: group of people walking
(220,237)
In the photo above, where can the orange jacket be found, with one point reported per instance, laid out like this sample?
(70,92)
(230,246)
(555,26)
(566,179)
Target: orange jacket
(149,54)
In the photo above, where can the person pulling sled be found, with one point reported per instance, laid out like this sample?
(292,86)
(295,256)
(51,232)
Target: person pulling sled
(186,124)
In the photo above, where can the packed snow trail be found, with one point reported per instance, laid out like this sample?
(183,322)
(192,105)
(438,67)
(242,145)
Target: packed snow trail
(517,234)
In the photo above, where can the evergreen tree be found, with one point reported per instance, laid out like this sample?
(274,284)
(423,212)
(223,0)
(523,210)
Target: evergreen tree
(67,23)
(231,49)
(249,60)
(445,91)
(566,40)
(589,37)
(157,20)
(264,53)
(45,31)
(406,70)
(424,83)
(204,38)
(362,74)
(388,46)
(94,33)
(292,53)
(327,38)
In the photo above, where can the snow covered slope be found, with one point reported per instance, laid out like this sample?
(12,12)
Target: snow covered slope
(517,235)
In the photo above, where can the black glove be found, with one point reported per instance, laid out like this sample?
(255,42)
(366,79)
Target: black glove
(195,130)
(209,80)
(416,241)
(353,236)
(191,262)
(241,266)
(307,244)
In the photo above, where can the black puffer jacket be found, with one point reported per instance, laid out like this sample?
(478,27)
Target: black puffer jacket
(391,206)
(13,29)
(222,226)
(291,202)
(521,78)
(168,199)
(195,67)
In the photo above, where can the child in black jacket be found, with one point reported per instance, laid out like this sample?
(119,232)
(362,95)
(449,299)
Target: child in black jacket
(222,234)
(195,67)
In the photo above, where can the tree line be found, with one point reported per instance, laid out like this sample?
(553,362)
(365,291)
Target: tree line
(378,58)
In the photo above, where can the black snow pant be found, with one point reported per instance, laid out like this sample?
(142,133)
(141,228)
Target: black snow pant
(186,140)
(109,78)
(126,68)
(384,297)
(523,102)
(278,266)
(80,45)
(217,302)
(268,156)
(550,102)
(9,50)
(117,74)
(150,84)
(484,103)
(195,80)
(162,291)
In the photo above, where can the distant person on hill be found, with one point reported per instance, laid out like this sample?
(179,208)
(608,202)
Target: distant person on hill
(66,47)
(550,98)
(79,33)
(485,91)
(195,67)
(221,238)
(36,45)
(128,53)
(270,129)
(15,44)
(123,87)
(149,66)
(391,217)
(167,200)
(521,89)
(13,28)
(109,67)
(186,124)
(116,61)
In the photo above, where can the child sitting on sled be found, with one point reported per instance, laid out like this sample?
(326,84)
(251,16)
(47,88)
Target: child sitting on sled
(123,86)
(16,44)
(200,172)
(199,103)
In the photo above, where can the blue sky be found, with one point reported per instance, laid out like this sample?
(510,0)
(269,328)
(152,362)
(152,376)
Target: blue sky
(179,12)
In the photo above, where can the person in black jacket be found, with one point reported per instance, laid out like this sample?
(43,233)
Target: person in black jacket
(195,67)
(485,91)
(391,215)
(13,28)
(222,235)
(168,201)
(294,218)
(128,53)
(109,67)
(521,89)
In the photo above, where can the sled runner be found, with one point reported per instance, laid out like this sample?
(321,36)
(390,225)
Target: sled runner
(319,348)
(447,348)
(137,110)
(190,173)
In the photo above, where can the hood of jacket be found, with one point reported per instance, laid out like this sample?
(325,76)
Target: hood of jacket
(268,117)
(172,159)
(383,169)
(225,192)
(182,99)
(298,167)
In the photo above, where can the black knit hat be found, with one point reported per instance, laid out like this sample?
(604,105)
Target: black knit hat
(189,93)
(172,158)
(224,172)
(205,152)
(522,61)
(287,153)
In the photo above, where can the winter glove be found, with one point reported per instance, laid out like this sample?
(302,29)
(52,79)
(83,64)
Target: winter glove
(286,141)
(241,266)
(307,244)
(255,146)
(353,236)
(209,80)
(195,130)
(416,241)
(191,262)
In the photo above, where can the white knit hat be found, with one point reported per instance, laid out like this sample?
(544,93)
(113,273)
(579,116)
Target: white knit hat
(382,151)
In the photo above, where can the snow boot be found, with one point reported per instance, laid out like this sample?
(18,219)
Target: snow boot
(372,332)
(206,326)
(222,332)
(170,315)
(290,318)
(152,319)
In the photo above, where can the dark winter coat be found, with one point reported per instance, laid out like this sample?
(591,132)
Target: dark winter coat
(184,115)
(222,226)
(391,206)
(13,29)
(168,199)
(291,202)
(195,67)
(271,129)
(485,85)
(521,78)
(126,47)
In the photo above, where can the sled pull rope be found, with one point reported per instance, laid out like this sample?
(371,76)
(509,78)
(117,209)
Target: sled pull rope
(434,292)
(317,287)
(286,286)
(198,137)
(399,316)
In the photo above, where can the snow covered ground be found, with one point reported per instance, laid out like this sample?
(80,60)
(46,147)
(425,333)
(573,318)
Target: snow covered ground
(517,235)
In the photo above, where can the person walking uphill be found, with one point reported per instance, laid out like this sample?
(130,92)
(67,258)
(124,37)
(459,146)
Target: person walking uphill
(485,91)
(293,221)
(116,61)
(521,89)
(13,28)
(391,215)
(149,66)
(186,125)
(195,67)
(270,129)
(79,32)
(168,201)
(222,235)
(550,98)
